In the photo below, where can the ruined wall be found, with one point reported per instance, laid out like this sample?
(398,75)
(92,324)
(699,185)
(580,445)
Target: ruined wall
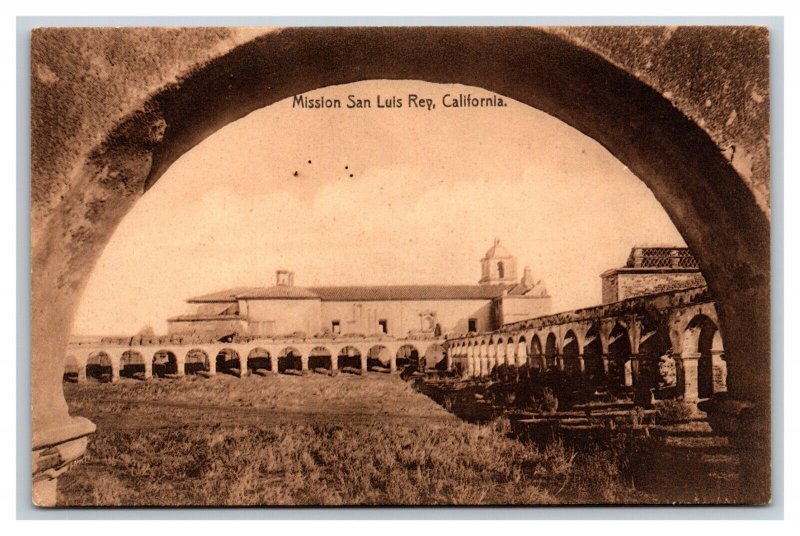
(621,284)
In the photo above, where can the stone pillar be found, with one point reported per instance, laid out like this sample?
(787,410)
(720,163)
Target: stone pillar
(393,363)
(560,361)
(304,364)
(115,366)
(180,364)
(334,362)
(273,363)
(148,367)
(605,365)
(81,372)
(212,364)
(581,365)
(363,363)
(243,370)
(687,376)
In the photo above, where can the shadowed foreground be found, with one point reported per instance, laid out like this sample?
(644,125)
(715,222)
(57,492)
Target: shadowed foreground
(317,440)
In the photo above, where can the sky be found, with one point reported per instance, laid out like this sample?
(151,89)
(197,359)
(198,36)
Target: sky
(373,196)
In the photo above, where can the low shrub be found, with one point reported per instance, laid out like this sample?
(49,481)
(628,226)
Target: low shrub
(673,411)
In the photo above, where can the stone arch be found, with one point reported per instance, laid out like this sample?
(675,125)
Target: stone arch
(100,366)
(228,361)
(290,358)
(709,202)
(521,351)
(164,362)
(593,358)
(572,354)
(702,341)
(379,357)
(551,350)
(196,360)
(619,358)
(131,364)
(657,367)
(349,356)
(320,357)
(72,369)
(259,358)
(407,355)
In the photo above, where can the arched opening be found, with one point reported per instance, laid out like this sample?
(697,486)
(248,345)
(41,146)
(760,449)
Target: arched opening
(320,359)
(551,351)
(349,360)
(657,368)
(290,360)
(594,373)
(98,367)
(619,361)
(197,360)
(131,365)
(228,362)
(435,357)
(407,355)
(536,353)
(165,363)
(259,360)
(71,369)
(572,356)
(703,341)
(379,358)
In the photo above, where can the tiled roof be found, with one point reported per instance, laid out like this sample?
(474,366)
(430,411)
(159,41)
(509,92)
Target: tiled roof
(359,293)
(409,292)
(199,318)
(279,292)
(221,296)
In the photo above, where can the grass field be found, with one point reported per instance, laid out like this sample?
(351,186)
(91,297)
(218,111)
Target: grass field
(285,440)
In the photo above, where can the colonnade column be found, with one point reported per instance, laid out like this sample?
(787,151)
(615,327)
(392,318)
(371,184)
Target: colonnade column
(393,363)
(304,364)
(605,365)
(560,360)
(581,365)
(212,365)
(363,363)
(115,366)
(243,370)
(273,363)
(334,362)
(687,376)
(148,367)
(81,372)
(180,364)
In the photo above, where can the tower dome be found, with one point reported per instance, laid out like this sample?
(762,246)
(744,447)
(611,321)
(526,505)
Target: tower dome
(498,266)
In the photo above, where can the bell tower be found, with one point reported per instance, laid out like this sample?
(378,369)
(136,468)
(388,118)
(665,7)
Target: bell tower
(498,266)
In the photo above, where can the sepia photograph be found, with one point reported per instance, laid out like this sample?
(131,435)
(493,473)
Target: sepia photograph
(400,266)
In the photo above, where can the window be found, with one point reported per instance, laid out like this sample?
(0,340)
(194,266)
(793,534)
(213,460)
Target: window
(472,324)
(384,324)
(335,327)
(500,270)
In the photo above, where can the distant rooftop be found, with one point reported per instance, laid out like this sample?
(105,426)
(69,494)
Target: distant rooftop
(363,293)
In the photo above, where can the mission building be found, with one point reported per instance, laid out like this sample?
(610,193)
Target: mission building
(396,310)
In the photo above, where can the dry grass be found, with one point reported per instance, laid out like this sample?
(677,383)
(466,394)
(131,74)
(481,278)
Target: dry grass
(313,441)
